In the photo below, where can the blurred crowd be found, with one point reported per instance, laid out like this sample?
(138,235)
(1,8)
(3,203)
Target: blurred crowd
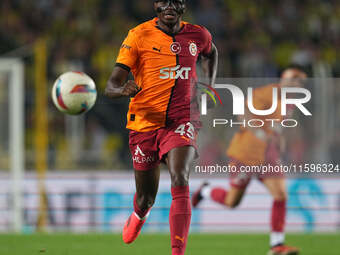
(254,39)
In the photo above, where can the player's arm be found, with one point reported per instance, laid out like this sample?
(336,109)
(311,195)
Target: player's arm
(209,64)
(118,86)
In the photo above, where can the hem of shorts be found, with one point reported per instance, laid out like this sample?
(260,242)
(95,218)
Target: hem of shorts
(146,169)
(238,186)
(239,162)
(178,146)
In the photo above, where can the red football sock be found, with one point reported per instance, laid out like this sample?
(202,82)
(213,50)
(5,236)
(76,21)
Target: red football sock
(218,195)
(141,213)
(278,216)
(179,219)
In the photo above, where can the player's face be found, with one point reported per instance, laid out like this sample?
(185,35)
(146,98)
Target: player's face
(170,11)
(293,78)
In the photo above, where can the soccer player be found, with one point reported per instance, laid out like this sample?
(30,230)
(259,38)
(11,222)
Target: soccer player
(259,146)
(163,115)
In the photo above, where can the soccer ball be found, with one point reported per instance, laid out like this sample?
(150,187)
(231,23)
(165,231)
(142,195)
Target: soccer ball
(74,93)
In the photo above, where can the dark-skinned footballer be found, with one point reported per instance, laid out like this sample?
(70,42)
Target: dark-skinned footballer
(163,116)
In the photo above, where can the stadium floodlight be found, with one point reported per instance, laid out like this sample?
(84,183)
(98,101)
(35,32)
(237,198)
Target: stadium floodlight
(14,68)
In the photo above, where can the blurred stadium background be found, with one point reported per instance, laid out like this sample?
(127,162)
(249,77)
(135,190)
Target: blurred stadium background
(74,173)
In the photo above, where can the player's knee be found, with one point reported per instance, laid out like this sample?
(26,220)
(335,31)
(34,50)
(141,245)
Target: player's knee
(232,203)
(145,201)
(280,195)
(180,178)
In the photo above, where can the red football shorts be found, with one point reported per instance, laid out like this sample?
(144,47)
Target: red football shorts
(149,149)
(243,174)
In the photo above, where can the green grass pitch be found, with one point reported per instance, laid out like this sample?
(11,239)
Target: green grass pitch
(199,244)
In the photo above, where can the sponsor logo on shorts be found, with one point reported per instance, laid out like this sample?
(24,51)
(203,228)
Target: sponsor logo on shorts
(139,151)
(141,158)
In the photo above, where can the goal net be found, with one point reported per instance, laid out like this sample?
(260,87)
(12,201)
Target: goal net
(11,141)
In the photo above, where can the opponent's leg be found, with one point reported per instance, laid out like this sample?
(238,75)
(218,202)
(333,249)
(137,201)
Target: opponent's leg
(277,189)
(146,191)
(178,161)
(230,198)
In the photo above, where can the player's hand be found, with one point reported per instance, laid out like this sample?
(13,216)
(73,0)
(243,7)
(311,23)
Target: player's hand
(130,89)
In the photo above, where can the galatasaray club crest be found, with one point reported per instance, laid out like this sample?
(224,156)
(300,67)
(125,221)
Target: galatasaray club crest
(193,49)
(176,47)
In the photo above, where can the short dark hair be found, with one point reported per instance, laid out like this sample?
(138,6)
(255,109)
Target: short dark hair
(184,1)
(295,66)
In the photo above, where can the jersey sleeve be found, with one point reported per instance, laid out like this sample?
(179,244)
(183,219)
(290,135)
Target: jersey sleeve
(207,42)
(128,52)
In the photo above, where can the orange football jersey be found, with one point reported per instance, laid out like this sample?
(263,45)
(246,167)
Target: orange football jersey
(245,146)
(164,67)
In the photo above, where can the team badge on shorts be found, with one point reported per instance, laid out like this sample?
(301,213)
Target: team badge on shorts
(193,49)
(176,47)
